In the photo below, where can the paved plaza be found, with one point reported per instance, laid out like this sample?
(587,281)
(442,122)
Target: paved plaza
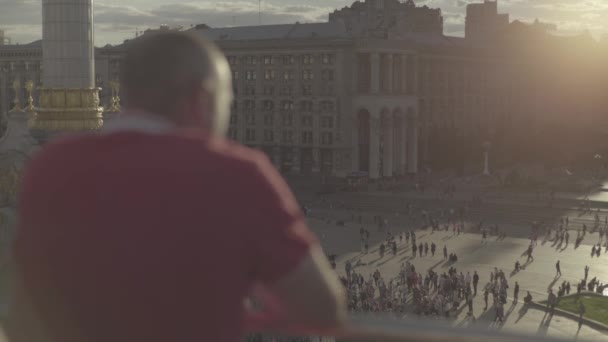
(473,253)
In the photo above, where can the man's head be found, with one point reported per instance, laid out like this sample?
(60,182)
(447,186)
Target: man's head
(179,76)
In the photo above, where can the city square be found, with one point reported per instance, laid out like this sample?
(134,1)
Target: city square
(335,219)
(397,135)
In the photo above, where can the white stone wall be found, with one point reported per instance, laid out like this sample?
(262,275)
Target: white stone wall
(67,44)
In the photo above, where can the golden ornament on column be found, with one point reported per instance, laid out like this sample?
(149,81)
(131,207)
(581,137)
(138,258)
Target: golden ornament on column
(70,109)
(16,88)
(115,86)
(29,86)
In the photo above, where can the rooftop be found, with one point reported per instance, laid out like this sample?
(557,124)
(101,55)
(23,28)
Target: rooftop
(328,30)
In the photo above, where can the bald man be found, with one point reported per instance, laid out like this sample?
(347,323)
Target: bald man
(158,228)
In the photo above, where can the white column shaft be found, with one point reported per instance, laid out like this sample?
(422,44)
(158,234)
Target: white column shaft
(67,44)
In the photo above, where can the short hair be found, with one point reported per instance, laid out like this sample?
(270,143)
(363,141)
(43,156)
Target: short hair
(161,68)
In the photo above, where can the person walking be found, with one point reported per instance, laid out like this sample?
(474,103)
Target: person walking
(475,282)
(581,313)
(558,271)
(586,271)
(485,298)
(515,292)
(445,252)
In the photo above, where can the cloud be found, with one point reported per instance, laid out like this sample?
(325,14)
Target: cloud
(116,20)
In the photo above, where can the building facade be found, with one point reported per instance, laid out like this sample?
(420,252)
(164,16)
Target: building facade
(380,89)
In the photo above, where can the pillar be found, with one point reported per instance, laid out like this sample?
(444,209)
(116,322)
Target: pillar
(404,74)
(355,143)
(387,157)
(374,146)
(415,72)
(412,162)
(396,144)
(375,72)
(389,73)
(404,144)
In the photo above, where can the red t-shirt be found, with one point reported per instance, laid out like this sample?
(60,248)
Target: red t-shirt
(132,236)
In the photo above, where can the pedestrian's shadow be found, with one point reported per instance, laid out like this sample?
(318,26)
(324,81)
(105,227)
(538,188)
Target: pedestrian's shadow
(373,261)
(448,263)
(522,312)
(553,282)
(385,261)
(407,258)
(504,320)
(523,267)
(544,325)
(437,264)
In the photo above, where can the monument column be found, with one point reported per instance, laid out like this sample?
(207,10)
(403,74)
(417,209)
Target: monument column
(69,100)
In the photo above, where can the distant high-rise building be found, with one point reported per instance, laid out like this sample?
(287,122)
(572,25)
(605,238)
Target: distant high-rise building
(483,21)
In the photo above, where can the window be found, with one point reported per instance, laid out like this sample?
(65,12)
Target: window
(268,135)
(235,89)
(250,75)
(326,106)
(308,59)
(307,137)
(287,119)
(249,90)
(327,122)
(269,74)
(287,137)
(251,60)
(288,60)
(287,105)
(327,90)
(233,119)
(307,89)
(327,75)
(327,59)
(267,105)
(268,90)
(232,60)
(268,60)
(235,75)
(326,138)
(269,119)
(307,74)
(249,104)
(250,134)
(307,120)
(250,118)
(287,90)
(288,75)
(235,105)
(306,106)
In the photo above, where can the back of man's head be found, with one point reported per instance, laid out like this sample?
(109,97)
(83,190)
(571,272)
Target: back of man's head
(180,76)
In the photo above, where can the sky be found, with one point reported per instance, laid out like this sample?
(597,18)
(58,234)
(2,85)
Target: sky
(116,20)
